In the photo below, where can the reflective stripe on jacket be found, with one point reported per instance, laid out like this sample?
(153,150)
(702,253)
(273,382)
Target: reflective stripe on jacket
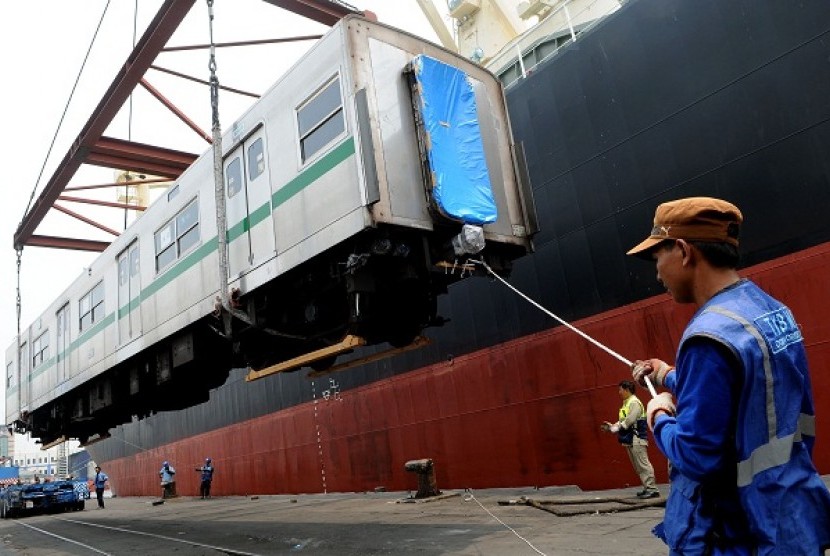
(626,435)
(786,503)
(207,472)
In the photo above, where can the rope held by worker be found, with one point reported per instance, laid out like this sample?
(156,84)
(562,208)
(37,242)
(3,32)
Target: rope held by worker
(561,321)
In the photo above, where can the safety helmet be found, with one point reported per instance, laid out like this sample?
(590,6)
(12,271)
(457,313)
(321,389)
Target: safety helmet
(165,464)
(207,460)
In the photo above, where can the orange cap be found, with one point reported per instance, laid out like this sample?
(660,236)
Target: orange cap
(693,219)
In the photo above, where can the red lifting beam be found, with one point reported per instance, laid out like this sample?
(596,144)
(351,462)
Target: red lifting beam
(322,11)
(74,244)
(167,20)
(90,147)
(138,157)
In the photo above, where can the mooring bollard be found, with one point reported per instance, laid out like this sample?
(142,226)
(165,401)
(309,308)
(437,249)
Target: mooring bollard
(425,469)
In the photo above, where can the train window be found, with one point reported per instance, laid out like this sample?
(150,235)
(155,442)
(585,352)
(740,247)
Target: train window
(233,175)
(165,248)
(122,272)
(134,263)
(9,374)
(98,302)
(92,307)
(177,236)
(173,192)
(187,218)
(189,239)
(256,160)
(321,136)
(40,349)
(187,227)
(320,120)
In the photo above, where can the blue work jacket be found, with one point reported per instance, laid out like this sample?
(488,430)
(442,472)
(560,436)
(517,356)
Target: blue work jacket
(743,480)
(166,474)
(207,472)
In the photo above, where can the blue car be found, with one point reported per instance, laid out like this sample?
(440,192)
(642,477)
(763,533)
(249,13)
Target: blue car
(54,496)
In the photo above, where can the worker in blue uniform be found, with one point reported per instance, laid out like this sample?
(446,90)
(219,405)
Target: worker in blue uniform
(740,435)
(100,482)
(206,479)
(167,474)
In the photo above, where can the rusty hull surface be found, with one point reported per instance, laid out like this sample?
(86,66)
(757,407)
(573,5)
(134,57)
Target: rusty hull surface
(522,413)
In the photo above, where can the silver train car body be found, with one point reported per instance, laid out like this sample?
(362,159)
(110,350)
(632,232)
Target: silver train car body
(331,231)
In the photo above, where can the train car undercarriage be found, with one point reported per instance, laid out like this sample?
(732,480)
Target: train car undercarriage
(381,286)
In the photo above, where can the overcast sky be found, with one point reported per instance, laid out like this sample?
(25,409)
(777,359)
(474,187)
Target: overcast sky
(43,44)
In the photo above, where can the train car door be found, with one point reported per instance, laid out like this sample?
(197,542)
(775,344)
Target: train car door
(129,294)
(250,232)
(23,382)
(62,347)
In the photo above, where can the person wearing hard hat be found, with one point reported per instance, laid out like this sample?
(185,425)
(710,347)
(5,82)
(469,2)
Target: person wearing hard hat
(167,475)
(632,433)
(207,478)
(740,435)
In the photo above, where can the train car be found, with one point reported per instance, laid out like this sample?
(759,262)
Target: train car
(357,189)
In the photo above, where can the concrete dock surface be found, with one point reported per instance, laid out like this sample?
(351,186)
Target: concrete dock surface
(554,520)
(516,521)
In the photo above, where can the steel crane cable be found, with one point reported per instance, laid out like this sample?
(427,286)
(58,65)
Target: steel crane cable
(219,190)
(130,117)
(66,108)
(19,256)
(19,250)
(214,80)
(218,179)
(17,339)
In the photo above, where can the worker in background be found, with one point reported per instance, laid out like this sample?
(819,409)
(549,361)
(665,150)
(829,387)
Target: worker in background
(740,435)
(167,475)
(100,482)
(632,433)
(207,478)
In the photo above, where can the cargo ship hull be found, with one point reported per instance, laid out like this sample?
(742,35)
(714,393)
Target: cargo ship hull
(656,102)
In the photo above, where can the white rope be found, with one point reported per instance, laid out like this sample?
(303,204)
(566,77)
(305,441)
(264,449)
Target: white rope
(603,347)
(471,496)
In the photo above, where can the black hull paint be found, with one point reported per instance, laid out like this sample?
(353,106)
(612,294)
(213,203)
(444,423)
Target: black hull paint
(663,99)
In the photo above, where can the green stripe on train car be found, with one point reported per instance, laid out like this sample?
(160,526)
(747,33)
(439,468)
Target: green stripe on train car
(314,172)
(293,187)
(247,223)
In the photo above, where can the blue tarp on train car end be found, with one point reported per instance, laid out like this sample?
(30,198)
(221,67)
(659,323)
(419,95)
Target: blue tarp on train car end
(461,182)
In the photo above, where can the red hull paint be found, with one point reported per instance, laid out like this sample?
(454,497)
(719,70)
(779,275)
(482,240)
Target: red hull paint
(526,412)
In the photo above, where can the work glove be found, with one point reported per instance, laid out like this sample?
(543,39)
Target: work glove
(609,427)
(654,369)
(663,402)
